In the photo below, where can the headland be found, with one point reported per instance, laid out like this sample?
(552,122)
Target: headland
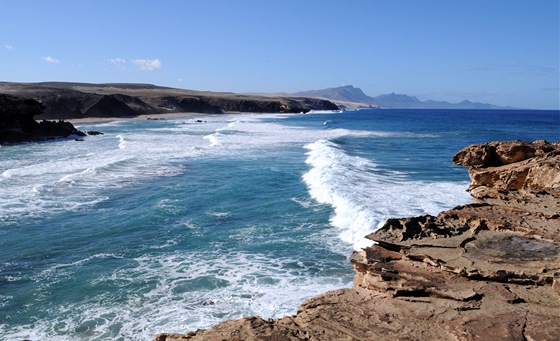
(82,103)
(114,100)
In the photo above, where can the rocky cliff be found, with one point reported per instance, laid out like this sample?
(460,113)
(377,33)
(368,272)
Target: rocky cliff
(83,100)
(17,123)
(489,270)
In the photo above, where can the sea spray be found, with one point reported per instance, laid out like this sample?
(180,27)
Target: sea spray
(364,196)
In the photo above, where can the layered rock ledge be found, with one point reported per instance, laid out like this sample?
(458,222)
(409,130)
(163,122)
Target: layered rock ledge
(489,270)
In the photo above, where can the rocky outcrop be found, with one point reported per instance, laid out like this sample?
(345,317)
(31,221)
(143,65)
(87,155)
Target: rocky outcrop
(515,165)
(489,270)
(17,123)
(244,103)
(82,100)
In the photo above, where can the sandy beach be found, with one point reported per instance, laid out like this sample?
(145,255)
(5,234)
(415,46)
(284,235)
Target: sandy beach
(96,120)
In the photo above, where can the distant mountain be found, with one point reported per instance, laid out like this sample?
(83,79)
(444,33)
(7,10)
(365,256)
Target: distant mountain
(351,97)
(346,93)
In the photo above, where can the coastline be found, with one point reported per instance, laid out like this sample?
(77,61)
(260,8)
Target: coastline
(488,270)
(99,120)
(160,165)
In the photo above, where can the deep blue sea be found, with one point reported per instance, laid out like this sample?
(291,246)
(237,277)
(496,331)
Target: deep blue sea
(173,225)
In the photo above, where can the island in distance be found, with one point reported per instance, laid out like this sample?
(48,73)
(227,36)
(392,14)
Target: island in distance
(350,97)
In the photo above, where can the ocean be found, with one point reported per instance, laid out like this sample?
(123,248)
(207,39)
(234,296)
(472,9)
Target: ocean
(177,224)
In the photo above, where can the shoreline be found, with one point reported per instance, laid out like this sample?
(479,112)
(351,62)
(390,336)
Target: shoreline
(486,270)
(99,120)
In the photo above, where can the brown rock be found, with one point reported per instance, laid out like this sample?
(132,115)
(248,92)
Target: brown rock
(511,165)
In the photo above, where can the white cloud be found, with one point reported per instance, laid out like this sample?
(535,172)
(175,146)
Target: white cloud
(147,64)
(8,46)
(118,61)
(50,59)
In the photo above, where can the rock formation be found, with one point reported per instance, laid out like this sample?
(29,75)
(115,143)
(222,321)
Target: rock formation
(17,123)
(82,100)
(489,270)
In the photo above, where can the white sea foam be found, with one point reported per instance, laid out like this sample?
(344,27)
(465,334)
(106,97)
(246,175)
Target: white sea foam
(248,132)
(122,142)
(69,175)
(303,203)
(364,196)
(60,267)
(176,292)
(213,139)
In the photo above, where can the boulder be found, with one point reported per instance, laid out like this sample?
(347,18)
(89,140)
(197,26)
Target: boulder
(512,165)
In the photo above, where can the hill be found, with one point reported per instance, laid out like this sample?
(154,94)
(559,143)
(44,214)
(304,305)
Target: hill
(346,93)
(351,97)
(64,100)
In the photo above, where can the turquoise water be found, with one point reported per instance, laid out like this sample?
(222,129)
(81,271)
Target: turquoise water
(174,225)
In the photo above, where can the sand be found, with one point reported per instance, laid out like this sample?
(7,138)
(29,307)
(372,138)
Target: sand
(98,120)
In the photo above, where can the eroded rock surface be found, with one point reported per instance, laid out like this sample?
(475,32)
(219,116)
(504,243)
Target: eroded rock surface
(489,270)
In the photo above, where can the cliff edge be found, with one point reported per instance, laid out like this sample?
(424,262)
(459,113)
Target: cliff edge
(489,270)
(17,123)
(63,100)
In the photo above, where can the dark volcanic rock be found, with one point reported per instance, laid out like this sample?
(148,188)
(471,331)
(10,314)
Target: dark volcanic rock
(116,105)
(489,270)
(186,104)
(67,104)
(81,100)
(18,125)
(257,104)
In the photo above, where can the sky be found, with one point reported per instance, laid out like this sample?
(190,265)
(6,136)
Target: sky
(504,52)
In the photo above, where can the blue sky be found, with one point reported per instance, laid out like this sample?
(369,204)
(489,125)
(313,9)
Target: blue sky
(494,51)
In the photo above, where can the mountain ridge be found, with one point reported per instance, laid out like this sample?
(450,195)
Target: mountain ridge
(71,100)
(350,97)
